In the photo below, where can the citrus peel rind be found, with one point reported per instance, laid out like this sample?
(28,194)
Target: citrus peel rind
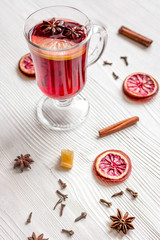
(67,157)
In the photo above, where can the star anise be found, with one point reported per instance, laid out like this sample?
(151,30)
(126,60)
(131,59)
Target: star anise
(73,32)
(121,223)
(23,161)
(53,26)
(40,237)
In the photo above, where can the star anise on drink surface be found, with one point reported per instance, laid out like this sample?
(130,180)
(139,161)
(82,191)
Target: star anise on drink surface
(121,223)
(53,26)
(23,161)
(73,32)
(40,237)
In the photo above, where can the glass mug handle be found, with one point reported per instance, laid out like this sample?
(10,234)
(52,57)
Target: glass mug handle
(100,46)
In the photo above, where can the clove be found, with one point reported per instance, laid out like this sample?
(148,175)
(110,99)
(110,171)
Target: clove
(63,185)
(62,208)
(125,60)
(83,215)
(118,194)
(134,194)
(70,232)
(59,201)
(107,63)
(109,204)
(62,195)
(115,76)
(29,218)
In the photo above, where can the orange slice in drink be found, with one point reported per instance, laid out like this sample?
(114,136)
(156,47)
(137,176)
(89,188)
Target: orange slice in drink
(52,43)
(62,48)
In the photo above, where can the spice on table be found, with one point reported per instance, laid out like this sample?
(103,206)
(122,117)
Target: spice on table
(29,218)
(23,161)
(107,63)
(83,215)
(67,158)
(121,223)
(135,36)
(109,204)
(63,185)
(40,237)
(59,201)
(134,194)
(115,76)
(62,195)
(62,208)
(70,232)
(118,126)
(125,60)
(118,194)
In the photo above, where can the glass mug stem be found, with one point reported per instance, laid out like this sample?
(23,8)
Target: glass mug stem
(61,62)
(63,103)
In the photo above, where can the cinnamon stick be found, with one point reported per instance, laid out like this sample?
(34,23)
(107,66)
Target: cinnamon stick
(118,126)
(135,36)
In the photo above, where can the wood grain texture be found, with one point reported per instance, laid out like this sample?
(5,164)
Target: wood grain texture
(34,190)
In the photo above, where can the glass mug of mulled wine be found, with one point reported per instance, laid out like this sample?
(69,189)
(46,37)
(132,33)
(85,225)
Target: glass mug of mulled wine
(58,38)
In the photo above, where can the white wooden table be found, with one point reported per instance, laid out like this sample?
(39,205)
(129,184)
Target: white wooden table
(34,190)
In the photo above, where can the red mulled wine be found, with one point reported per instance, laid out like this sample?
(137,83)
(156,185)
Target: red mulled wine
(59,59)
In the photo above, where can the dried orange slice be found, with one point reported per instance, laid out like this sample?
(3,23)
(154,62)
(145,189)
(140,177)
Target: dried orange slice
(26,65)
(140,87)
(112,166)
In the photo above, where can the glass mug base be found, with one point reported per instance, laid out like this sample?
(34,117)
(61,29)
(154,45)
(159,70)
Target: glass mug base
(62,115)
